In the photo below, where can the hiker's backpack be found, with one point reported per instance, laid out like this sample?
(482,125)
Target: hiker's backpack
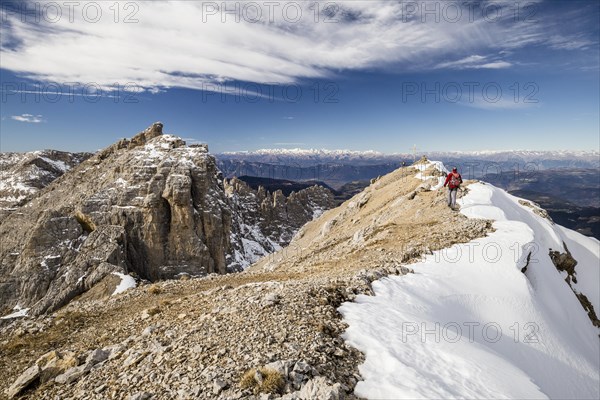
(455,180)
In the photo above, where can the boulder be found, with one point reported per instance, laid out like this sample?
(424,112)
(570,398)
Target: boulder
(318,388)
(71,375)
(30,375)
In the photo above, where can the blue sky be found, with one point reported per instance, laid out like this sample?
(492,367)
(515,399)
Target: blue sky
(379,75)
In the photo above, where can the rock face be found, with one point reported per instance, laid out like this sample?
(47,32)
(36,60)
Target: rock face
(22,175)
(271,218)
(151,206)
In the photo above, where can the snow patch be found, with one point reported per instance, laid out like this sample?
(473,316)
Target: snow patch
(57,164)
(127,282)
(19,313)
(423,166)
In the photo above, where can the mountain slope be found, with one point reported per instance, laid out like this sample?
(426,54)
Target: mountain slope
(498,317)
(369,230)
(202,338)
(216,328)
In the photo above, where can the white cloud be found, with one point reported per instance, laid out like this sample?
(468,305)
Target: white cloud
(29,118)
(475,62)
(569,42)
(495,65)
(499,104)
(186,44)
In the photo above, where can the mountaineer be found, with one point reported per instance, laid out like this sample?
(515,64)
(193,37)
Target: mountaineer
(453,180)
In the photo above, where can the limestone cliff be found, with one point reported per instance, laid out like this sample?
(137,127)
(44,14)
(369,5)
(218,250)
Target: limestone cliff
(150,206)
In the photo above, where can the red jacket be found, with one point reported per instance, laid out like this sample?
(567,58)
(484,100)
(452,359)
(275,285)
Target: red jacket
(450,185)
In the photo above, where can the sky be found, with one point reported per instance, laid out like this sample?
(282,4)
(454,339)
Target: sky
(245,75)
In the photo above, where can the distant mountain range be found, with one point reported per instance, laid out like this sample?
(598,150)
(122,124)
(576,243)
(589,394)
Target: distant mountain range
(304,157)
(338,167)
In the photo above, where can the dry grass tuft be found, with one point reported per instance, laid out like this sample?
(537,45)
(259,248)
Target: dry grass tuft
(154,289)
(164,303)
(272,381)
(153,311)
(248,381)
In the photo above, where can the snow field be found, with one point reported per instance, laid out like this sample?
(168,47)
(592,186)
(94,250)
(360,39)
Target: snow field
(469,324)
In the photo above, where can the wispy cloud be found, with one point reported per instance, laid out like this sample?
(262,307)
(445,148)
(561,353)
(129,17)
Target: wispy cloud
(570,42)
(289,118)
(475,62)
(500,104)
(162,50)
(29,118)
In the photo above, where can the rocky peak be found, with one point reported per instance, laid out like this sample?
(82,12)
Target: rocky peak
(150,206)
(146,135)
(279,217)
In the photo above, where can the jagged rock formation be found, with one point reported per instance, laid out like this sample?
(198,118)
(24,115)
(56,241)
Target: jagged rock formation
(22,175)
(275,215)
(151,206)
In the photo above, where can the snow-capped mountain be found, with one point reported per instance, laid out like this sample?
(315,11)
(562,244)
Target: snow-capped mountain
(305,152)
(547,159)
(308,157)
(24,174)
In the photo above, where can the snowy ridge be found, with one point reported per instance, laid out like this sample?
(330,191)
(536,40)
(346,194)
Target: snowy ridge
(312,151)
(307,152)
(470,324)
(543,159)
